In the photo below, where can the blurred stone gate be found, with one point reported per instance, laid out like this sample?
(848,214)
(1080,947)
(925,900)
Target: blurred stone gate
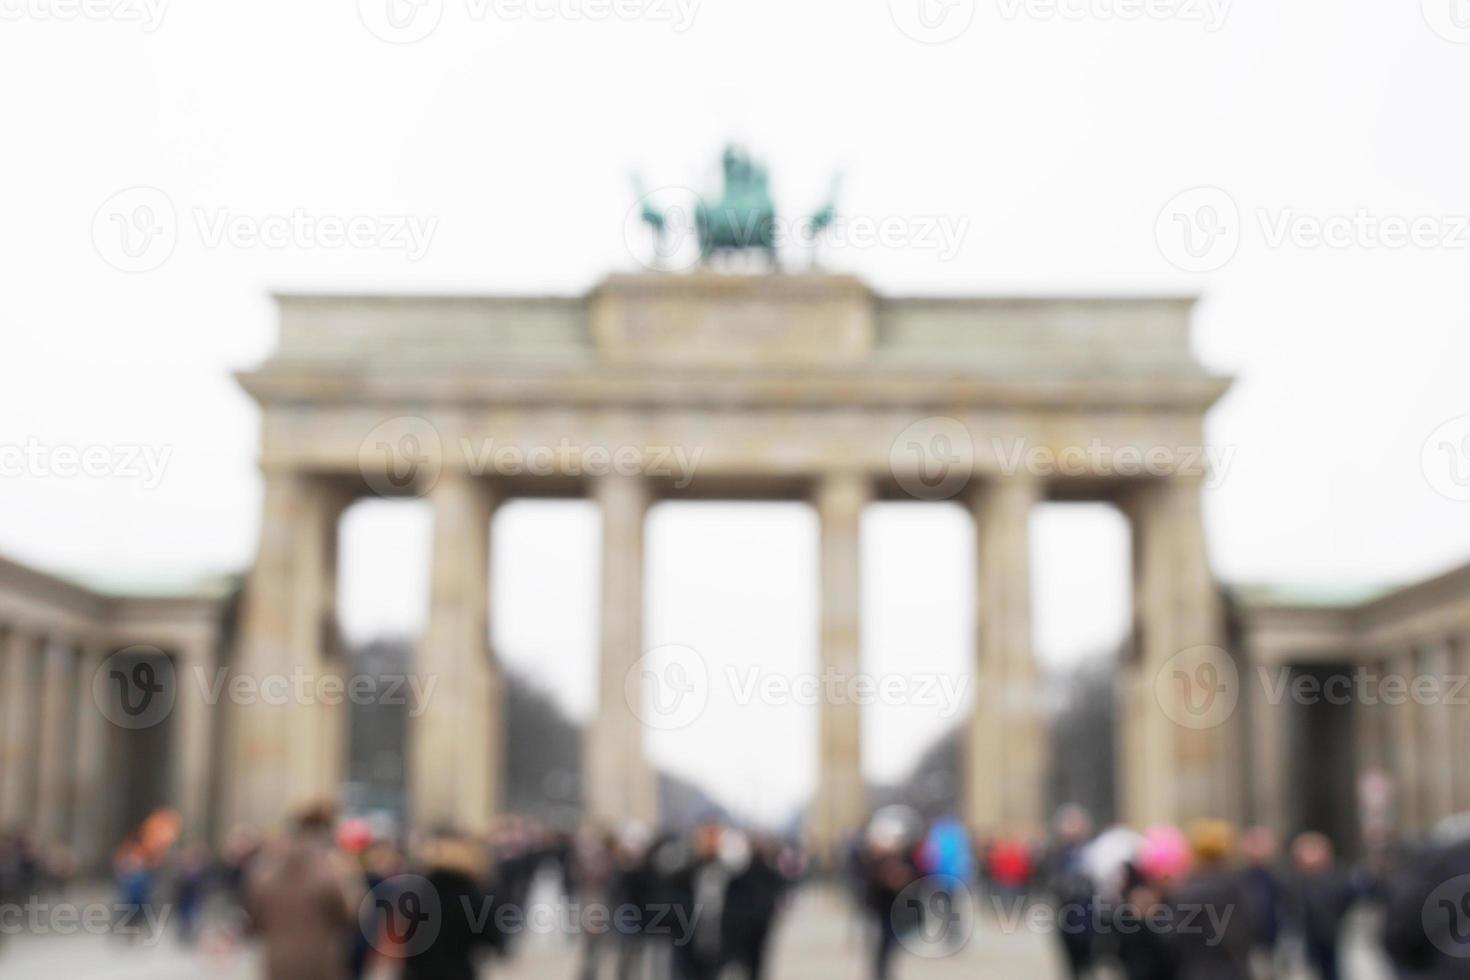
(783,387)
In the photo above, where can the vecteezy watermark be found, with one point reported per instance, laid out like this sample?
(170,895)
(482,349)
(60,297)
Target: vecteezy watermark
(1198,688)
(147,14)
(144,924)
(405,456)
(943,693)
(1199,230)
(138,229)
(1363,685)
(1097,458)
(675,246)
(1445,459)
(670,687)
(1209,14)
(1363,229)
(33,458)
(1208,921)
(1201,687)
(933,917)
(410,21)
(1446,917)
(403,915)
(933,459)
(933,21)
(135,687)
(139,687)
(1450,19)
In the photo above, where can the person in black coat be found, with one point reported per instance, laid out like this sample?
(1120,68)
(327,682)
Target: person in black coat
(888,869)
(1318,900)
(751,902)
(1426,929)
(1211,932)
(461,908)
(1145,953)
(695,883)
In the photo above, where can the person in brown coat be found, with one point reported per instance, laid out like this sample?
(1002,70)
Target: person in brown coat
(303,901)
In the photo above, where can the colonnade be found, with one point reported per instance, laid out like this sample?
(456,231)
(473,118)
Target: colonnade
(63,762)
(285,756)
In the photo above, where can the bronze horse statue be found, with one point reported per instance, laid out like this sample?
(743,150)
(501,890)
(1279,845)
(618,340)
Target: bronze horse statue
(743,219)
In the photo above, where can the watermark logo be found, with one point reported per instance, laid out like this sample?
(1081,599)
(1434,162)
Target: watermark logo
(668,687)
(136,229)
(33,458)
(1450,19)
(1446,917)
(661,231)
(1445,459)
(1199,687)
(934,917)
(933,459)
(1210,14)
(1098,458)
(933,21)
(944,694)
(400,21)
(405,456)
(147,14)
(1364,686)
(401,457)
(401,916)
(411,21)
(1199,230)
(135,688)
(144,925)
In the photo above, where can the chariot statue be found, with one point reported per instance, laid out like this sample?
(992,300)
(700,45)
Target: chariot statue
(742,220)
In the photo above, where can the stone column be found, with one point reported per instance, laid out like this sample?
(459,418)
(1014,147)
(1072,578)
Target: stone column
(1370,722)
(278,752)
(618,781)
(92,826)
(57,731)
(193,738)
(1437,734)
(457,744)
(1404,733)
(1270,750)
(1460,720)
(1181,710)
(1006,749)
(20,661)
(840,808)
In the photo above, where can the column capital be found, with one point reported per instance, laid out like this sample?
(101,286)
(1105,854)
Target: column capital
(623,490)
(1019,489)
(840,491)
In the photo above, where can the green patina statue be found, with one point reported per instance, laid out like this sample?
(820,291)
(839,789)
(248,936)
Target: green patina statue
(742,220)
(745,217)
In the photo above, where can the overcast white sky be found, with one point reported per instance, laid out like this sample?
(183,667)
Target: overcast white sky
(1056,139)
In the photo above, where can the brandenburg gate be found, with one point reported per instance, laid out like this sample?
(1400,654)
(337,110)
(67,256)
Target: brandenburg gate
(788,387)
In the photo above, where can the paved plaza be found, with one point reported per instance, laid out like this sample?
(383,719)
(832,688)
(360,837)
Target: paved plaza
(818,939)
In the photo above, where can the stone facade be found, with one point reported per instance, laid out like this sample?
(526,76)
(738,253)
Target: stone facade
(1397,669)
(782,387)
(68,751)
(803,387)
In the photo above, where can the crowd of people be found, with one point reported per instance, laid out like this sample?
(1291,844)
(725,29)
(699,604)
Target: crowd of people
(333,899)
(1209,902)
(338,899)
